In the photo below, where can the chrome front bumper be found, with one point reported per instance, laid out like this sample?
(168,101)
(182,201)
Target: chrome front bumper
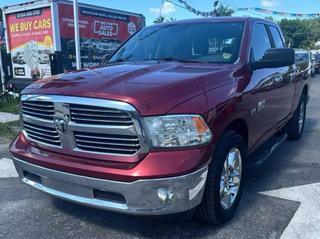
(143,197)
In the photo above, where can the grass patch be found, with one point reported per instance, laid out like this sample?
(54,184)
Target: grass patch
(9,130)
(11,106)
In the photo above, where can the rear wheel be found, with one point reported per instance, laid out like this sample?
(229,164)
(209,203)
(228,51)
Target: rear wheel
(225,180)
(295,126)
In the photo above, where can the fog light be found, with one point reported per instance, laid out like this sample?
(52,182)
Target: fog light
(165,195)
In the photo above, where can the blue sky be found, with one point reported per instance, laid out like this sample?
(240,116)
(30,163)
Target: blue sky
(150,8)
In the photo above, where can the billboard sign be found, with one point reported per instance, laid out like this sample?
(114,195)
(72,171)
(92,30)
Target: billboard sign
(101,33)
(30,38)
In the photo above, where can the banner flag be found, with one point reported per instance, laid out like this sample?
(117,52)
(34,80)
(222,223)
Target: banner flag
(248,9)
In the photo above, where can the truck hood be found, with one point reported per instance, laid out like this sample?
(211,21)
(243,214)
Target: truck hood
(153,88)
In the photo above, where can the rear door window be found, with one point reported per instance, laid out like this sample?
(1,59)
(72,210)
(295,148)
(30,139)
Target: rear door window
(276,37)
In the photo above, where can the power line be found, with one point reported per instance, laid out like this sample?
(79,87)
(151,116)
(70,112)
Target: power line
(208,13)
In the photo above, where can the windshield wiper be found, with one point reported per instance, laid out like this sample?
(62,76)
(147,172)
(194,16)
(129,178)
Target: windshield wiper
(186,60)
(169,58)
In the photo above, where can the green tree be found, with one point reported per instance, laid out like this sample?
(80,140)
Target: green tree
(224,10)
(301,33)
(159,20)
(270,18)
(0,14)
(295,32)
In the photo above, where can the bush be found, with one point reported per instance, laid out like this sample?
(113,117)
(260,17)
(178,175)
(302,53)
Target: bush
(10,106)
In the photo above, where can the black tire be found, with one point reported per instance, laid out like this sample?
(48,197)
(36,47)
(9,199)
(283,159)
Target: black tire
(293,128)
(210,210)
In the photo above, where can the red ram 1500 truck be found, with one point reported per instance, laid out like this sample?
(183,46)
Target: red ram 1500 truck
(169,124)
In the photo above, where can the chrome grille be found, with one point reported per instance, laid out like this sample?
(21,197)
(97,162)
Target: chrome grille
(87,114)
(38,109)
(42,134)
(107,143)
(77,124)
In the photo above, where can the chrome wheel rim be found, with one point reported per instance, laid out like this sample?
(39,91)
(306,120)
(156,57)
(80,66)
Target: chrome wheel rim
(230,178)
(301,117)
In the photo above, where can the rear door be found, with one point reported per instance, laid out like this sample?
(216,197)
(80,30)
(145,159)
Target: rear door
(285,86)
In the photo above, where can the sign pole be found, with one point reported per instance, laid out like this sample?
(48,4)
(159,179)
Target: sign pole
(77,33)
(2,72)
(3,34)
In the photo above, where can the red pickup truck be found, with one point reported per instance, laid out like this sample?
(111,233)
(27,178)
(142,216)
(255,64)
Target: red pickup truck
(169,124)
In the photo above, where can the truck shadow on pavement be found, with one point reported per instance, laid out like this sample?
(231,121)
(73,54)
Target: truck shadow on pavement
(135,226)
(252,219)
(293,163)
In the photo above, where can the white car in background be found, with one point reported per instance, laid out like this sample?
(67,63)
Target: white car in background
(102,46)
(89,44)
(18,58)
(43,57)
(95,44)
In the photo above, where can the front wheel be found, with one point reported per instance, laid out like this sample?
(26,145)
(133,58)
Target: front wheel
(225,180)
(295,126)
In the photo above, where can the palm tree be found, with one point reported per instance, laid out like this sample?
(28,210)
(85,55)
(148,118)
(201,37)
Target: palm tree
(224,11)
(158,20)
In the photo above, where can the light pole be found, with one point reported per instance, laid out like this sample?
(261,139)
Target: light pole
(76,33)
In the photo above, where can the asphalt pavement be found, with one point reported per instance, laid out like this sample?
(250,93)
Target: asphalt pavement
(27,213)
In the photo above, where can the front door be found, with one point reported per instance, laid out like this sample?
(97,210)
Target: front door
(271,94)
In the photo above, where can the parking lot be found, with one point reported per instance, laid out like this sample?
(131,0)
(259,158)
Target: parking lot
(288,212)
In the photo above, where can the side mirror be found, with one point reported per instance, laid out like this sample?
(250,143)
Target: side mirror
(275,57)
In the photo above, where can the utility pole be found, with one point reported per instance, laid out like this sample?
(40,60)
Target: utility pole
(76,33)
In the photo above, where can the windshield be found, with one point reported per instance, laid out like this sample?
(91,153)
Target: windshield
(196,42)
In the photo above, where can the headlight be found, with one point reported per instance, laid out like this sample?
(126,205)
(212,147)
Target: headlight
(177,130)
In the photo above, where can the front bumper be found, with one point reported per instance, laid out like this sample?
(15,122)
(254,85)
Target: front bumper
(142,197)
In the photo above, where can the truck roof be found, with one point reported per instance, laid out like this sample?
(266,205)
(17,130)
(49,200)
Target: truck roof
(26,5)
(219,19)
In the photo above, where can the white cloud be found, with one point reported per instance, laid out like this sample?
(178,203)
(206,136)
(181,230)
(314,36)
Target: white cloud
(269,3)
(167,9)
